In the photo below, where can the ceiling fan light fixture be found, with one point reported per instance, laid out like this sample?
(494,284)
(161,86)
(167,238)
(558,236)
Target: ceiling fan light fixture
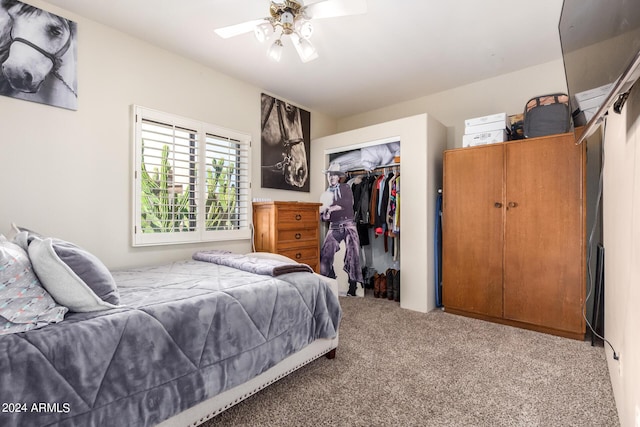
(293,18)
(287,22)
(275,51)
(305,29)
(306,50)
(263,31)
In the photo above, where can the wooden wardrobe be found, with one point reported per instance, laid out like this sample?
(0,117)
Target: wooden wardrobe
(514,233)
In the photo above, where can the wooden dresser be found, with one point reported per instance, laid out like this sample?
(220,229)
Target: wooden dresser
(291,229)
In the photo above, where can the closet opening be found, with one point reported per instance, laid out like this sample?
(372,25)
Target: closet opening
(372,170)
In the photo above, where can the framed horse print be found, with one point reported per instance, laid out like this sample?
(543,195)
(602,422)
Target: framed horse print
(285,145)
(38,54)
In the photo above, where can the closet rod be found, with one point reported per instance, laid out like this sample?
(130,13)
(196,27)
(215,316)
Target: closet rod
(392,166)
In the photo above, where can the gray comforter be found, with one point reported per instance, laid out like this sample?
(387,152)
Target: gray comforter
(189,331)
(252,264)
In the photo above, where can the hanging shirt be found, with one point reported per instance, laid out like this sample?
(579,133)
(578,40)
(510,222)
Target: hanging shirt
(391,206)
(396,221)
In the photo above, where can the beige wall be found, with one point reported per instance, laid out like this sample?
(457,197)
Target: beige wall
(621,213)
(503,94)
(68,173)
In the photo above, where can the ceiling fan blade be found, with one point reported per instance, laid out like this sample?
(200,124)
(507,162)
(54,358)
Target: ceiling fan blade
(334,8)
(237,29)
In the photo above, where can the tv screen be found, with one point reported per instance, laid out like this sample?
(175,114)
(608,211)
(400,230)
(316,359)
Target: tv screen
(600,42)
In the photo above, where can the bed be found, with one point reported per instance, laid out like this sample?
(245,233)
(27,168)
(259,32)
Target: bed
(186,341)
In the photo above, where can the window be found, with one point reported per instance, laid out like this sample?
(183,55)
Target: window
(191,181)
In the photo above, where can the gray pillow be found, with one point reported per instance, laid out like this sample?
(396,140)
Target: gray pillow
(25,303)
(74,277)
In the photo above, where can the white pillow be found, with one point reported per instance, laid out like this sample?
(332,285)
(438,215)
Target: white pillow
(64,285)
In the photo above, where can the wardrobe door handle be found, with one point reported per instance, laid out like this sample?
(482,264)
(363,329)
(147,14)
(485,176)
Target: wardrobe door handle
(497,205)
(513,204)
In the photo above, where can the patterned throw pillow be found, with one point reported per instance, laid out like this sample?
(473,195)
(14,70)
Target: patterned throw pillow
(24,303)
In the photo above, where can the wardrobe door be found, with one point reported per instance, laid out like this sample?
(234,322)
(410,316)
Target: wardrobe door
(544,233)
(472,233)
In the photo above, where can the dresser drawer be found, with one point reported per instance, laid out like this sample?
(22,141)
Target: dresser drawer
(291,217)
(306,255)
(297,237)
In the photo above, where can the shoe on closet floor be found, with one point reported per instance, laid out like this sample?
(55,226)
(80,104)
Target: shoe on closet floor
(396,286)
(390,289)
(383,285)
(376,285)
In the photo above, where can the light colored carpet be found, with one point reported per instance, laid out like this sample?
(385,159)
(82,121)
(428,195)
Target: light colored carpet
(397,367)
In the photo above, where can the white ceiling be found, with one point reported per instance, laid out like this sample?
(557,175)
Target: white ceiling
(399,50)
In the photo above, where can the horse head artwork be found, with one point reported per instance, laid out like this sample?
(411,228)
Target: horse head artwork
(40,61)
(5,36)
(284,146)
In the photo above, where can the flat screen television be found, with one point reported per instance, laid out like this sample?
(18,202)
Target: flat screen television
(600,42)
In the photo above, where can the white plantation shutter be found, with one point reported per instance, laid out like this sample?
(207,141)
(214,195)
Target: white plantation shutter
(191,182)
(227,183)
(169,160)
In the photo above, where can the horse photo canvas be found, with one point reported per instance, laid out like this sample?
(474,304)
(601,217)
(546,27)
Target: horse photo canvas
(285,145)
(38,55)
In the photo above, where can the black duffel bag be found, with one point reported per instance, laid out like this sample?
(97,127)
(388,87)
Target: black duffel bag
(547,115)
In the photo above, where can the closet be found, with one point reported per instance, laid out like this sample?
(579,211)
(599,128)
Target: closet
(514,233)
(381,246)
(422,141)
(373,174)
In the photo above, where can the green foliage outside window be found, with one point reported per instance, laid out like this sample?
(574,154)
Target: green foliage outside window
(221,197)
(167,207)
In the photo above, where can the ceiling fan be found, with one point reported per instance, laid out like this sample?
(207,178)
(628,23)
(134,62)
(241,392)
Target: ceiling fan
(293,18)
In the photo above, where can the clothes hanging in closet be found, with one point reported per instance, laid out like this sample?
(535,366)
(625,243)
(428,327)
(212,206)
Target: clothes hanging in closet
(377,206)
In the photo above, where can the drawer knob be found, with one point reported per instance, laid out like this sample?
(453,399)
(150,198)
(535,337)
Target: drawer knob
(298,217)
(298,255)
(298,235)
